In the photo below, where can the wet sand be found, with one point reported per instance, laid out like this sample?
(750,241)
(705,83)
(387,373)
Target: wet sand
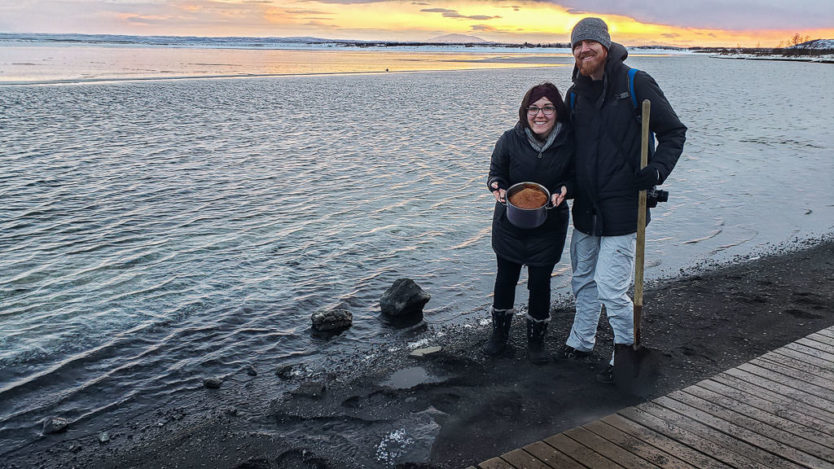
(454,408)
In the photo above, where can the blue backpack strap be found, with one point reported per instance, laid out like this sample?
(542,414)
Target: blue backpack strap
(631,73)
(572,99)
(637,111)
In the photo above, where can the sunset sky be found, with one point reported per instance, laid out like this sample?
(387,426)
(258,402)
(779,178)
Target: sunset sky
(686,23)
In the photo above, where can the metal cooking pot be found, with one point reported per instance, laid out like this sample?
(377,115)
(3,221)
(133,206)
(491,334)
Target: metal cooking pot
(527,218)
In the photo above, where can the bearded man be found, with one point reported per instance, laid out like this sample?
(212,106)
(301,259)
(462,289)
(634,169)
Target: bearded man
(608,180)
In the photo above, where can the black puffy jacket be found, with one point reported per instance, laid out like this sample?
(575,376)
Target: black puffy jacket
(514,160)
(607,135)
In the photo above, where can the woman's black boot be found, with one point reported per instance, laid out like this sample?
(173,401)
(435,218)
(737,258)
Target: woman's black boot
(501,321)
(536,331)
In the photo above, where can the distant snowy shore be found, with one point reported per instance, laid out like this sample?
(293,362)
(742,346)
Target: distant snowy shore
(825,58)
(818,50)
(442,44)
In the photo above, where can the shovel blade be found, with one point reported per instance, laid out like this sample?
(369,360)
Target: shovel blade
(636,370)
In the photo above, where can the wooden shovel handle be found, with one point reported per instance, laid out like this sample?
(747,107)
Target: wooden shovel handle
(641,227)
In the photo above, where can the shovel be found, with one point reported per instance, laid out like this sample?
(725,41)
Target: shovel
(635,366)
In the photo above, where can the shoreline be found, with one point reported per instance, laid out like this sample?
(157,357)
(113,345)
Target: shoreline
(455,408)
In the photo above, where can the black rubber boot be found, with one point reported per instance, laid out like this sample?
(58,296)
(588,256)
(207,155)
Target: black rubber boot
(501,321)
(536,331)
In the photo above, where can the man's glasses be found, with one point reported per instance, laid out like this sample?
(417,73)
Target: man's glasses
(547,110)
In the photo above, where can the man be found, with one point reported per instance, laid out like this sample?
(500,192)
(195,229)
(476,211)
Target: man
(608,180)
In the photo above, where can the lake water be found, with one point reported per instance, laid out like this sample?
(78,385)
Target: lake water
(158,231)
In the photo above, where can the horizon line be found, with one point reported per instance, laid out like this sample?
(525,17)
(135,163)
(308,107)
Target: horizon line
(307,39)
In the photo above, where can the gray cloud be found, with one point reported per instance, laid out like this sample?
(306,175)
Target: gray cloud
(454,14)
(722,14)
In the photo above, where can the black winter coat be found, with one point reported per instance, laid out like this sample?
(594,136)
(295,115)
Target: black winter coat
(607,134)
(514,160)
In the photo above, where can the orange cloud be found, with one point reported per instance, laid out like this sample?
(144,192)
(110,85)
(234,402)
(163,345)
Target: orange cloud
(404,20)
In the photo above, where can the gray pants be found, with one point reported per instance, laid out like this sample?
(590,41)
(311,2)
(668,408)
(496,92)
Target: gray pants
(603,270)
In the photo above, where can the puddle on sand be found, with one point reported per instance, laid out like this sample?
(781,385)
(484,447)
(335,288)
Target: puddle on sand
(407,378)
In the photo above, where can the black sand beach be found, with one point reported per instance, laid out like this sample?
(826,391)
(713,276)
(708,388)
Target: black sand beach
(455,407)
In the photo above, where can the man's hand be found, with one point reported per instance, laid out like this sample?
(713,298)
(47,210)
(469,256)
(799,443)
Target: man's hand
(499,194)
(646,178)
(557,199)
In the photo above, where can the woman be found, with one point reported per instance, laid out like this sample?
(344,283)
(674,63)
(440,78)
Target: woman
(538,149)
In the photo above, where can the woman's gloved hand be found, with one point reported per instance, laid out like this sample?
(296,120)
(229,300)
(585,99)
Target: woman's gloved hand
(557,199)
(500,194)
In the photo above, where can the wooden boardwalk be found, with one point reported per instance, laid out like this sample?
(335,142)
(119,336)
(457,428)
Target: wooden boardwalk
(776,411)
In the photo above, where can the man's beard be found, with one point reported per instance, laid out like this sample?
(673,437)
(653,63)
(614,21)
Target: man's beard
(589,68)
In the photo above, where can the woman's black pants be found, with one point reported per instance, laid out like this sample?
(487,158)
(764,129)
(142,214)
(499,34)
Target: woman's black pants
(538,283)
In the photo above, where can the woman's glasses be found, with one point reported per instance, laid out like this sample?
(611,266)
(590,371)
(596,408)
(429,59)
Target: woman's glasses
(547,110)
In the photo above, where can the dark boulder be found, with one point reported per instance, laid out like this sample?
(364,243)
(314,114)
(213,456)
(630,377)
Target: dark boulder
(212,383)
(54,425)
(403,299)
(331,320)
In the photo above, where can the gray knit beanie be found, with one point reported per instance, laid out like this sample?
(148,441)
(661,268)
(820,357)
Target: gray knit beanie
(593,29)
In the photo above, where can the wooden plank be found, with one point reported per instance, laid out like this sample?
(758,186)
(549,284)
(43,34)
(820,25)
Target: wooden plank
(636,446)
(495,463)
(756,432)
(807,388)
(811,351)
(664,442)
(551,456)
(776,393)
(824,364)
(580,452)
(764,410)
(523,459)
(829,333)
(801,353)
(608,449)
(804,365)
(736,438)
(781,388)
(819,380)
(690,433)
(825,346)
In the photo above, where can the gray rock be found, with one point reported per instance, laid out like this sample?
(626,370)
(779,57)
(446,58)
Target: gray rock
(284,372)
(311,389)
(103,437)
(332,320)
(54,425)
(251,371)
(403,299)
(212,383)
